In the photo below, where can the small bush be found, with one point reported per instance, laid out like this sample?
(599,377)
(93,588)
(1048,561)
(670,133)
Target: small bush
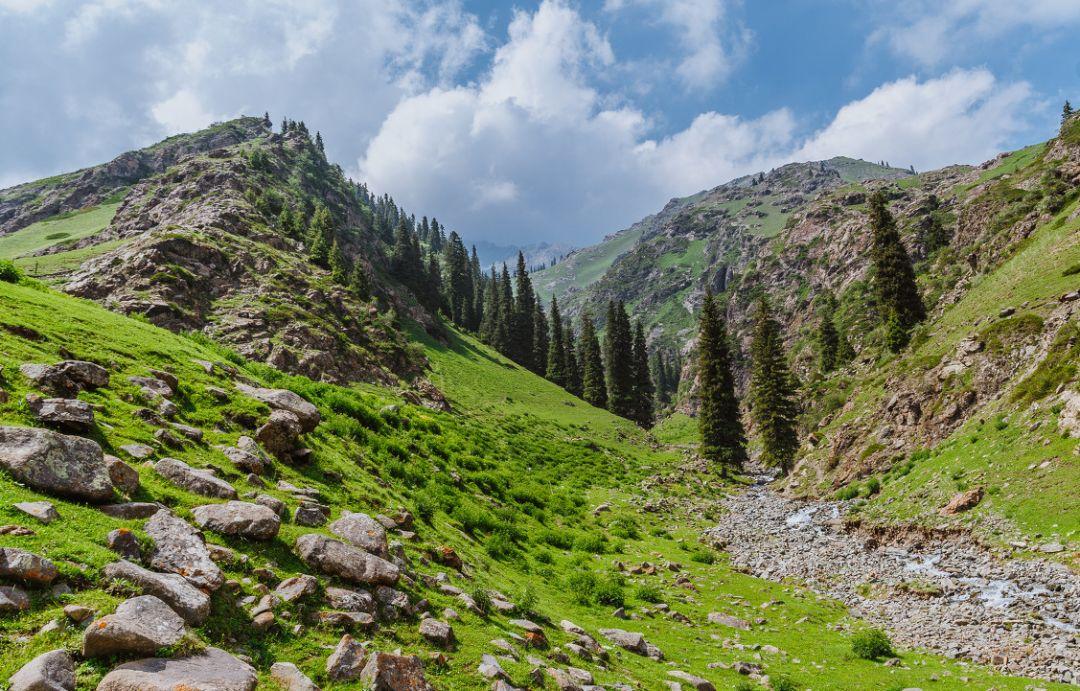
(847,492)
(590,542)
(647,592)
(482,599)
(782,683)
(873,486)
(609,590)
(871,644)
(9,273)
(702,555)
(500,546)
(582,586)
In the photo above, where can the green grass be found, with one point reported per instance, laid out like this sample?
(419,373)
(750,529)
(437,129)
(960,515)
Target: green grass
(677,428)
(584,267)
(62,263)
(1016,161)
(59,229)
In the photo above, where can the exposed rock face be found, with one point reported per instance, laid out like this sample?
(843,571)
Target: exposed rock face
(362,531)
(282,399)
(194,479)
(347,661)
(180,549)
(66,378)
(963,501)
(26,566)
(140,626)
(51,671)
(184,598)
(239,518)
(56,463)
(335,558)
(65,413)
(386,672)
(210,670)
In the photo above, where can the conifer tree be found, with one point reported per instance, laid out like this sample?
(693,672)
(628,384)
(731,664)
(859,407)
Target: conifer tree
(432,297)
(476,275)
(894,279)
(618,361)
(339,266)
(541,339)
(524,318)
(457,281)
(319,143)
(573,370)
(772,393)
(828,339)
(284,125)
(321,236)
(267,123)
(723,440)
(287,222)
(1066,112)
(556,357)
(505,327)
(593,379)
(643,384)
(405,263)
(358,281)
(492,313)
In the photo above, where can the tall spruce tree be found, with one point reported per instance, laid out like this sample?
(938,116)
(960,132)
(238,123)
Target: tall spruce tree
(1066,112)
(898,297)
(457,281)
(506,313)
(556,356)
(773,405)
(618,361)
(524,318)
(593,378)
(339,265)
(644,390)
(573,369)
(723,440)
(489,322)
(828,339)
(541,338)
(321,236)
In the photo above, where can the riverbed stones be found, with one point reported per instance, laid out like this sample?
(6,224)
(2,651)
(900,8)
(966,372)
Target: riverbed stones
(139,626)
(239,519)
(211,670)
(66,378)
(51,671)
(179,548)
(55,463)
(64,413)
(363,531)
(335,558)
(347,661)
(194,479)
(389,672)
(43,511)
(20,565)
(184,598)
(280,399)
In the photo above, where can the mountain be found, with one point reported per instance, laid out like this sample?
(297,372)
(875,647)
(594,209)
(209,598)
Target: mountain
(538,254)
(228,462)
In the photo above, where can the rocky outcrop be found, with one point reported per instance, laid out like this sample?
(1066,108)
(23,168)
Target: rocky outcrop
(66,379)
(65,413)
(56,463)
(211,670)
(184,598)
(282,399)
(363,531)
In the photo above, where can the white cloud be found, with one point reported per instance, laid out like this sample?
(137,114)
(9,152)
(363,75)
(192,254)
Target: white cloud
(929,31)
(22,5)
(182,112)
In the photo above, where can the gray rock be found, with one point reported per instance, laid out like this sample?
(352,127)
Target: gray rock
(274,504)
(55,463)
(347,661)
(563,680)
(437,632)
(138,451)
(13,599)
(728,620)
(153,387)
(124,477)
(281,399)
(490,668)
(139,626)
(66,378)
(43,511)
(20,565)
(168,377)
(211,670)
(628,640)
(123,542)
(184,598)
(66,413)
(347,620)
(310,516)
(351,600)
(193,479)
(179,548)
(238,518)
(245,460)
(387,672)
(51,671)
(290,678)
(280,434)
(363,531)
(131,509)
(335,558)
(193,433)
(297,587)
(696,683)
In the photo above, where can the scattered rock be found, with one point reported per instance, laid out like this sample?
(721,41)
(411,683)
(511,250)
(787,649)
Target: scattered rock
(131,509)
(78,613)
(180,549)
(13,599)
(138,451)
(20,565)
(336,558)
(363,531)
(437,632)
(55,463)
(66,378)
(347,661)
(290,678)
(273,503)
(963,501)
(387,672)
(152,387)
(51,671)
(281,399)
(124,477)
(280,434)
(43,511)
(628,640)
(728,620)
(210,670)
(563,680)
(351,600)
(141,625)
(65,413)
(184,598)
(245,460)
(297,587)
(193,433)
(310,515)
(490,668)
(238,518)
(193,479)
(123,542)
(695,682)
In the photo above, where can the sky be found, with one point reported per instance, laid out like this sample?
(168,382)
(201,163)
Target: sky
(556,120)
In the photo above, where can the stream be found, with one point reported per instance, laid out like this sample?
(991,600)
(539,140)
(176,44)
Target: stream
(952,597)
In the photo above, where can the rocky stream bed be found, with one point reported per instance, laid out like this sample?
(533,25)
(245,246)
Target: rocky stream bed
(948,595)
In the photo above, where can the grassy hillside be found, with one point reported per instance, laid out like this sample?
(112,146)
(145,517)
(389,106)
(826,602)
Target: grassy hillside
(508,480)
(61,229)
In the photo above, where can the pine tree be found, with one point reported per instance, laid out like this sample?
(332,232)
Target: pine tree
(476,274)
(618,361)
(524,317)
(457,281)
(541,339)
(556,356)
(358,281)
(772,396)
(489,322)
(287,222)
(284,125)
(723,440)
(321,236)
(643,384)
(339,266)
(894,279)
(319,143)
(573,370)
(432,297)
(593,379)
(505,327)
(828,339)
(1066,112)
(267,123)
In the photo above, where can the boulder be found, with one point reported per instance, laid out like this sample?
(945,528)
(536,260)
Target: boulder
(20,565)
(138,451)
(489,668)
(628,640)
(347,661)
(131,510)
(193,433)
(310,515)
(56,463)
(139,626)
(335,558)
(123,542)
(563,679)
(13,599)
(388,672)
(185,599)
(210,670)
(194,479)
(728,620)
(168,377)
(66,378)
(238,518)
(351,600)
(43,511)
(347,620)
(152,387)
(65,413)
(437,632)
(246,460)
(51,671)
(962,502)
(179,548)
(281,399)
(289,677)
(280,434)
(124,477)
(274,504)
(297,587)
(694,682)
(363,531)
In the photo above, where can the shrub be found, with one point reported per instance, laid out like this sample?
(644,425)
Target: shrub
(425,506)
(9,273)
(702,555)
(782,683)
(847,492)
(482,599)
(525,602)
(563,539)
(582,585)
(609,590)
(871,644)
(647,592)
(500,546)
(590,542)
(873,486)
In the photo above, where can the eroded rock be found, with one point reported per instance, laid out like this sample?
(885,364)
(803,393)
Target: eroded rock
(184,598)
(194,479)
(139,626)
(336,558)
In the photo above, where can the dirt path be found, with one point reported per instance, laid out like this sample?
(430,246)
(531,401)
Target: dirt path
(952,597)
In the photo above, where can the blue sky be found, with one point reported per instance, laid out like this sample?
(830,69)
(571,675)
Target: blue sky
(541,120)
